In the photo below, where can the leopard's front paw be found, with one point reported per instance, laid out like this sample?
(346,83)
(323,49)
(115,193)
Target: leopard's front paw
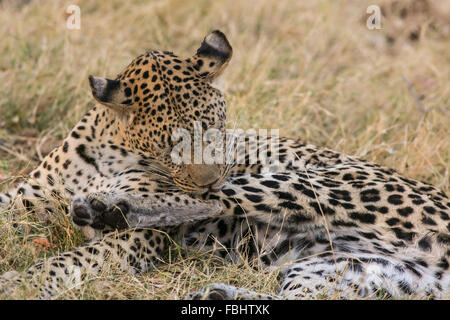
(99,212)
(212,292)
(109,211)
(221,291)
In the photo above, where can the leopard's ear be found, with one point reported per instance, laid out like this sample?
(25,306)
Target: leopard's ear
(213,55)
(111,93)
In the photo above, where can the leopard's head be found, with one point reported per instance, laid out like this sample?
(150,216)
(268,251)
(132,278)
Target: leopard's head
(160,96)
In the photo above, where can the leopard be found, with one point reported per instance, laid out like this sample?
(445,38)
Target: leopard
(330,223)
(124,142)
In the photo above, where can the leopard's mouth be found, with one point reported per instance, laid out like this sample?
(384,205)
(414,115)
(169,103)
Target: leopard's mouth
(217,185)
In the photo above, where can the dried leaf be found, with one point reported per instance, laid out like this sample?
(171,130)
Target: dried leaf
(43,242)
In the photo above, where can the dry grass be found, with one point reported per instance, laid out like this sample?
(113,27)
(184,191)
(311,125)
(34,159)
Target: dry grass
(310,68)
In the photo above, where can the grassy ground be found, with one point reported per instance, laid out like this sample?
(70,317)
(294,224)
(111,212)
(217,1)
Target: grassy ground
(310,68)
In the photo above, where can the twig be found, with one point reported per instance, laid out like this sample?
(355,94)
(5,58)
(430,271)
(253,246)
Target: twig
(17,155)
(414,95)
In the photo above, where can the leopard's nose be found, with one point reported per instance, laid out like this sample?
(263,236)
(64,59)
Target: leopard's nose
(204,175)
